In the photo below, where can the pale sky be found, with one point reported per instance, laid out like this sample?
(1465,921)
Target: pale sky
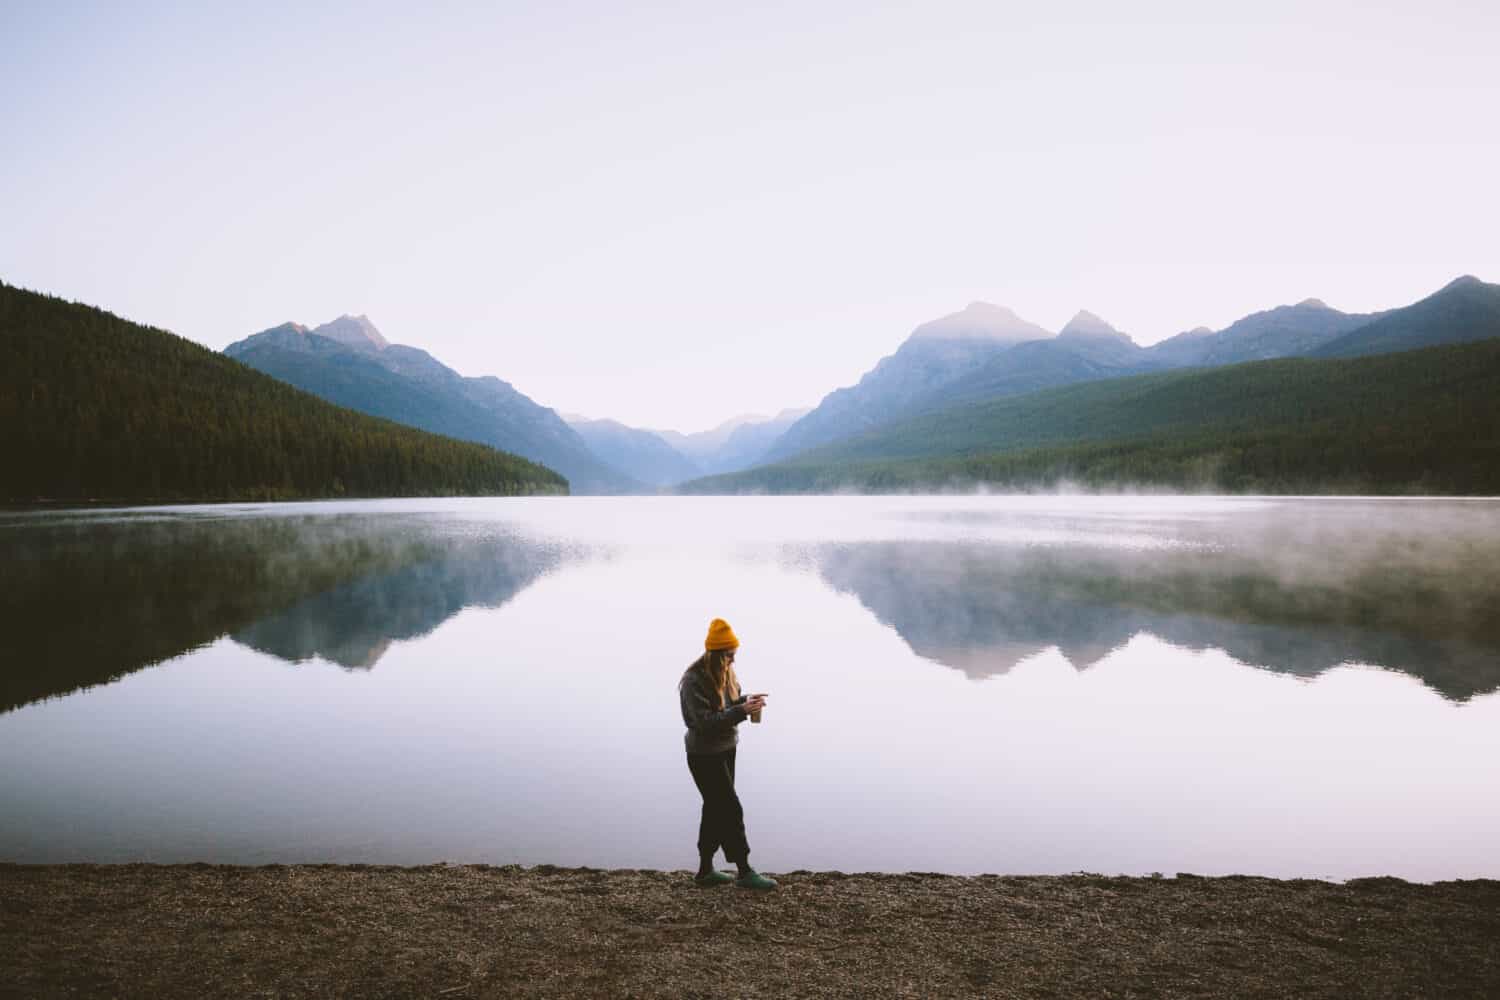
(670,214)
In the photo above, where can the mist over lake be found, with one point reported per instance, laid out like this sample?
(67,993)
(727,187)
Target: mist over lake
(1288,687)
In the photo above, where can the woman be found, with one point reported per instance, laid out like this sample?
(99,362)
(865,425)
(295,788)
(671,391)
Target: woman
(712,707)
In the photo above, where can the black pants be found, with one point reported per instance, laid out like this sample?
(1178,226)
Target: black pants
(723,823)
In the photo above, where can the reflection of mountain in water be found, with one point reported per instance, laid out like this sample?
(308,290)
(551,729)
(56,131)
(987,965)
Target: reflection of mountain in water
(86,600)
(354,624)
(984,608)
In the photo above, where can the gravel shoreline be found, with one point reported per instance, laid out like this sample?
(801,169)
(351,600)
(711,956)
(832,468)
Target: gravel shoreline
(480,931)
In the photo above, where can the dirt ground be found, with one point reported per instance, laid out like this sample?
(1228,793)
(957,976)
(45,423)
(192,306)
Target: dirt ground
(477,931)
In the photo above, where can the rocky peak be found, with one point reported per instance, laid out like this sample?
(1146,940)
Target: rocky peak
(980,321)
(1086,324)
(353,331)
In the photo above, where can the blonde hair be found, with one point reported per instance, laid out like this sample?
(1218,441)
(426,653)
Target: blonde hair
(715,663)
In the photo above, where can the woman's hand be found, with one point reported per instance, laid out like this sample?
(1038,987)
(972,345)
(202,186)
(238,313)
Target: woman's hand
(755,703)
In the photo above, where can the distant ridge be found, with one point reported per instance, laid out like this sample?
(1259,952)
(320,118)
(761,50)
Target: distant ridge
(1284,331)
(1464,310)
(663,458)
(1425,422)
(736,443)
(641,454)
(349,362)
(1087,348)
(936,353)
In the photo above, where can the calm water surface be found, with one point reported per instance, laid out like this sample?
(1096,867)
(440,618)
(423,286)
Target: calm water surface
(1025,685)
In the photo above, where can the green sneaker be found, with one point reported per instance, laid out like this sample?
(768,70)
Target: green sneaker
(755,880)
(714,878)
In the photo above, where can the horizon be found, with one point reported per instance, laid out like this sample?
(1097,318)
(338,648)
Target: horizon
(670,222)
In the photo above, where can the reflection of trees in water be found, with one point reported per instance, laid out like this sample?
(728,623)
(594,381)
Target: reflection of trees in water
(88,600)
(354,624)
(982,608)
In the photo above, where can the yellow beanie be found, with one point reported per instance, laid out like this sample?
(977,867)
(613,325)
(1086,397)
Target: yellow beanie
(720,636)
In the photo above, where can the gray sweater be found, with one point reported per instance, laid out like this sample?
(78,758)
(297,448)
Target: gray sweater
(709,729)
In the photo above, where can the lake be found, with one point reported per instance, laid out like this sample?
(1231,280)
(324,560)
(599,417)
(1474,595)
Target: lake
(1041,684)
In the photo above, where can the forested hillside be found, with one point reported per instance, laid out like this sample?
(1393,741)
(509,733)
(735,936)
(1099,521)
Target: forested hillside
(1425,421)
(93,407)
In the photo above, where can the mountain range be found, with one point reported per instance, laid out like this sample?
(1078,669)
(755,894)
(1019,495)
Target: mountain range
(987,352)
(665,458)
(976,357)
(982,353)
(650,459)
(1463,311)
(936,354)
(735,444)
(348,362)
